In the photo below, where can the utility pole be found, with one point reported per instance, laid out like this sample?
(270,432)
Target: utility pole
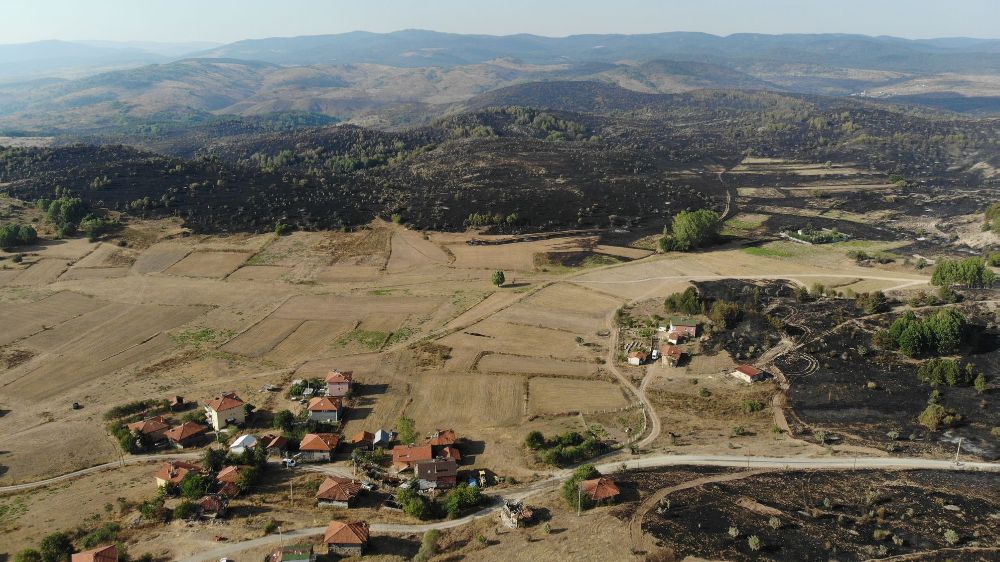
(291,499)
(958,450)
(579,498)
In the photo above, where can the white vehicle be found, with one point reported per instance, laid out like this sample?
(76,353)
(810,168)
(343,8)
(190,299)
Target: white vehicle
(656,354)
(288,463)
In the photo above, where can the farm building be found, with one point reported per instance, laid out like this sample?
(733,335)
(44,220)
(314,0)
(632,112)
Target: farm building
(450,452)
(687,327)
(187,434)
(637,357)
(748,373)
(325,409)
(242,444)
(338,383)
(177,403)
(318,447)
(515,514)
(383,438)
(600,489)
(231,474)
(151,429)
(405,456)
(175,471)
(292,553)
(336,491)
(225,410)
(365,438)
(672,356)
(443,437)
(276,445)
(675,337)
(436,473)
(346,539)
(213,506)
(107,553)
(229,489)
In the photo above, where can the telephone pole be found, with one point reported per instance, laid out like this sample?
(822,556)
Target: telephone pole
(958,450)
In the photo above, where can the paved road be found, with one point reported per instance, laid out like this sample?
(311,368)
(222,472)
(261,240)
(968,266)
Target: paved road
(130,460)
(651,461)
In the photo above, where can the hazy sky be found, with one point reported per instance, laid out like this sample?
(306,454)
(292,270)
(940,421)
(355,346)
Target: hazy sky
(231,20)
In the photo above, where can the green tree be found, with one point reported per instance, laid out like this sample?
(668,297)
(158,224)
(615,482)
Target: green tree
(195,485)
(428,546)
(911,341)
(687,302)
(695,229)
(499,278)
(725,314)
(980,383)
(283,420)
(213,459)
(413,503)
(462,497)
(570,488)
(535,440)
(970,272)
(56,547)
(407,430)
(28,555)
(185,510)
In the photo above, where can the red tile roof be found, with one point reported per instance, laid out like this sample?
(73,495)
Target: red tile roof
(325,404)
(340,376)
(213,503)
(230,474)
(600,488)
(444,437)
(339,533)
(175,471)
(184,431)
(671,351)
(748,370)
(362,437)
(149,425)
(451,452)
(226,402)
(319,442)
(338,489)
(274,442)
(405,455)
(100,554)
(229,489)
(640,354)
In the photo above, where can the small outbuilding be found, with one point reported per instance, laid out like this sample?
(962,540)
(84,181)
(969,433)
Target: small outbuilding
(748,373)
(347,539)
(337,491)
(171,473)
(107,553)
(242,444)
(672,356)
(601,489)
(188,434)
(637,357)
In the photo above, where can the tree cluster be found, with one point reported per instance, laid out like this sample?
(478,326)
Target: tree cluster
(687,302)
(940,333)
(571,488)
(564,449)
(940,371)
(691,230)
(970,272)
(12,235)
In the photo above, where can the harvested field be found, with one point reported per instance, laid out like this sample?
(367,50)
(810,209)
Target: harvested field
(262,337)
(410,250)
(577,323)
(311,307)
(160,257)
(23,319)
(472,401)
(575,299)
(519,256)
(310,338)
(505,363)
(366,247)
(346,273)
(502,337)
(82,273)
(42,272)
(553,396)
(259,273)
(208,264)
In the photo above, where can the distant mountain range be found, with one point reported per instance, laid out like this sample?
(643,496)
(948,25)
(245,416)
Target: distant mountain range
(407,77)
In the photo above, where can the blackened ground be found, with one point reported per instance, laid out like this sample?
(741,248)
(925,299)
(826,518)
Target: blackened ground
(823,516)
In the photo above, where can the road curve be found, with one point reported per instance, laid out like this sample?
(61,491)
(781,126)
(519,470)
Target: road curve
(651,461)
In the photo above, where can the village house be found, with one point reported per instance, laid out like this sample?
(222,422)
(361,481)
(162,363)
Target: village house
(436,473)
(188,434)
(276,445)
(231,474)
(672,356)
(229,489)
(686,327)
(337,491)
(338,383)
(676,338)
(107,553)
(213,506)
(225,410)
(748,373)
(242,444)
(637,357)
(151,430)
(292,553)
(173,472)
(383,438)
(443,437)
(450,452)
(600,489)
(405,456)
(346,539)
(318,447)
(325,409)
(362,438)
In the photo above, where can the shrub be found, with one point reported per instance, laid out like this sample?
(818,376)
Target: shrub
(873,302)
(55,547)
(428,546)
(282,229)
(104,534)
(12,235)
(980,383)
(498,278)
(725,314)
(185,510)
(774,522)
(754,543)
(283,420)
(751,406)
(413,503)
(734,531)
(461,498)
(535,440)
(28,555)
(407,430)
(951,537)
(195,485)
(936,415)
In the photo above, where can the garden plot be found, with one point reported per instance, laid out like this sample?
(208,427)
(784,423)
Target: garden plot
(466,401)
(208,264)
(160,257)
(311,338)
(559,395)
(23,319)
(262,336)
(42,272)
(518,364)
(259,273)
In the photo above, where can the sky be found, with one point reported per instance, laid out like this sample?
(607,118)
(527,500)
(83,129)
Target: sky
(231,20)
